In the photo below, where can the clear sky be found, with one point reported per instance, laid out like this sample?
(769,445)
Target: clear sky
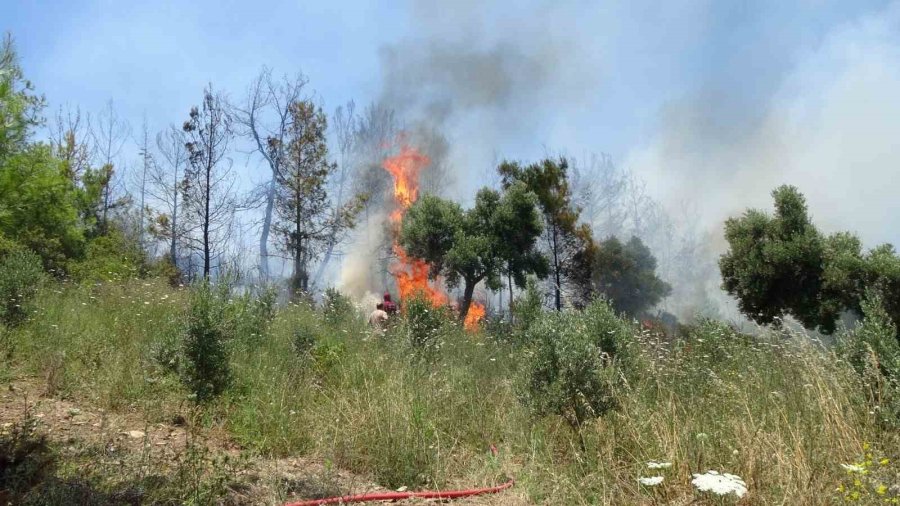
(714,100)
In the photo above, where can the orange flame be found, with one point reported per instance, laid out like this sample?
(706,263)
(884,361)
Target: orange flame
(411,274)
(474,316)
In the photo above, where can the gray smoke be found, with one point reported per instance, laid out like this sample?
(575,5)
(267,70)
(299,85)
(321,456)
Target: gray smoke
(710,111)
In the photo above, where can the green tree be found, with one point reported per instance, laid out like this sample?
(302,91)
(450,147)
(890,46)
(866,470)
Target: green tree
(626,275)
(782,265)
(566,243)
(478,244)
(39,205)
(20,108)
(307,219)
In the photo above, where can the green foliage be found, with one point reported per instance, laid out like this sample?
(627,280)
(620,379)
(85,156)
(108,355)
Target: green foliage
(250,315)
(781,265)
(480,244)
(626,275)
(163,268)
(25,456)
(578,363)
(21,275)
(569,246)
(423,324)
(528,307)
(304,339)
(307,220)
(38,205)
(336,307)
(208,372)
(110,257)
(19,107)
(874,351)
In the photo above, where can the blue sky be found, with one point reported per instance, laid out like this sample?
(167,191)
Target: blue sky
(738,95)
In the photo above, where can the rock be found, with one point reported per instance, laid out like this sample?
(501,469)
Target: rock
(135,434)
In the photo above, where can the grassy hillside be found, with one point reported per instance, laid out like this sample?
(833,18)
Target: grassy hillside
(778,410)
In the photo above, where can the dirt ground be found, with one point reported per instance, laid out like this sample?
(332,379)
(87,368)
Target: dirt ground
(95,442)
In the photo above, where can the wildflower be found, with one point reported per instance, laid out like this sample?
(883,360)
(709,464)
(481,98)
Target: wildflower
(882,489)
(884,462)
(658,465)
(853,468)
(720,484)
(651,481)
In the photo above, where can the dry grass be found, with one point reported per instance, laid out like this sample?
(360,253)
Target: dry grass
(781,411)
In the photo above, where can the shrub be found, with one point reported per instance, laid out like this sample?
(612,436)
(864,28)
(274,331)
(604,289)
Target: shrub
(165,269)
(21,274)
(873,350)
(528,307)
(577,362)
(110,257)
(304,340)
(25,456)
(336,306)
(423,323)
(252,314)
(208,373)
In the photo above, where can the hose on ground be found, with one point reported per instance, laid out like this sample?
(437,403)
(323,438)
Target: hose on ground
(394,496)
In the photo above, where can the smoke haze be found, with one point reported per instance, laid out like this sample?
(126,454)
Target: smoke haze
(710,117)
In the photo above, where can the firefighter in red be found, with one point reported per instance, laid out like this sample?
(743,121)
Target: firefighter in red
(389,307)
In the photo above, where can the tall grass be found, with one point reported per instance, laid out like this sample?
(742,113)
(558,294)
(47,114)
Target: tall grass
(779,409)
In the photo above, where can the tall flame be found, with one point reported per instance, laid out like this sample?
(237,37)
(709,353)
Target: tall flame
(411,274)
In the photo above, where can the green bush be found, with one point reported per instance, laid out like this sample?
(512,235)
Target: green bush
(251,315)
(873,350)
(21,274)
(527,308)
(25,457)
(577,363)
(110,257)
(423,323)
(208,372)
(304,340)
(337,307)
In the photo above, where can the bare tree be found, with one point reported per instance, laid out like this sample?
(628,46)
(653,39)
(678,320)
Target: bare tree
(109,135)
(70,137)
(266,118)
(141,179)
(165,186)
(208,183)
(600,190)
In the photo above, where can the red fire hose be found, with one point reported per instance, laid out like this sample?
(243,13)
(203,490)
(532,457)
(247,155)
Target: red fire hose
(394,496)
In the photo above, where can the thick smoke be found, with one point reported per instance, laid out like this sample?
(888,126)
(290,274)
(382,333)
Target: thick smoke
(709,111)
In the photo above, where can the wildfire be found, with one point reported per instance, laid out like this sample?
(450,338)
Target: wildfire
(411,274)
(405,169)
(474,316)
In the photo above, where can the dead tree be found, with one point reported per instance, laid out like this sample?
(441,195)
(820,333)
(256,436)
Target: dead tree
(109,135)
(165,180)
(208,183)
(265,118)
